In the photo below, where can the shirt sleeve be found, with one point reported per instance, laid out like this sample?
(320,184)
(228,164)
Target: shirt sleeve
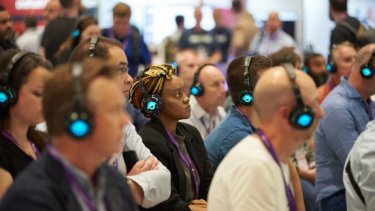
(156,183)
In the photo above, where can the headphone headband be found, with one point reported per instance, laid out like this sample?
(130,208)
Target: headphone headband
(302,116)
(246,95)
(15,59)
(92,46)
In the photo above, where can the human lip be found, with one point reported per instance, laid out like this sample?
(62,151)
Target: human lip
(188,108)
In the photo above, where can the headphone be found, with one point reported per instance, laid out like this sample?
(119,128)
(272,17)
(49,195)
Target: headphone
(302,116)
(246,95)
(331,66)
(197,88)
(151,104)
(78,122)
(92,46)
(367,70)
(8,95)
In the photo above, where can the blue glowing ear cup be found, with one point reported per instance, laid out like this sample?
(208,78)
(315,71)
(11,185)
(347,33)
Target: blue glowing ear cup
(331,68)
(7,96)
(152,105)
(197,89)
(367,71)
(246,98)
(302,117)
(79,124)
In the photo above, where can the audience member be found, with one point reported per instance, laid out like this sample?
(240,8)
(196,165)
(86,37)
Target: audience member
(316,68)
(58,30)
(23,75)
(221,34)
(340,64)
(148,178)
(162,96)
(170,43)
(71,174)
(272,38)
(30,38)
(86,26)
(52,10)
(200,40)
(244,30)
(358,174)
(286,55)
(255,175)
(7,33)
(348,109)
(242,76)
(133,44)
(206,99)
(187,62)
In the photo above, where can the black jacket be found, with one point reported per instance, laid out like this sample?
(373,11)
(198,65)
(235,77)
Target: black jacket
(155,137)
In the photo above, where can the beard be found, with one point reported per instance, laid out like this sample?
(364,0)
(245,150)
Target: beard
(319,79)
(7,39)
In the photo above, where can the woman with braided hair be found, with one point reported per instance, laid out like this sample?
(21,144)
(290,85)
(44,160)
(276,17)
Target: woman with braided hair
(161,95)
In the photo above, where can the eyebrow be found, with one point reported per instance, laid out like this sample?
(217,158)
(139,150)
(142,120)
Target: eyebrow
(123,63)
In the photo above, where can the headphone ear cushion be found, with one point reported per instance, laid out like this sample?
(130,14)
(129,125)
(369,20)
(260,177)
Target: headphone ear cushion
(8,96)
(367,71)
(152,105)
(302,117)
(246,98)
(197,89)
(79,124)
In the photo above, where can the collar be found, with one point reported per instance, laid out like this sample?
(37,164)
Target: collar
(349,89)
(197,109)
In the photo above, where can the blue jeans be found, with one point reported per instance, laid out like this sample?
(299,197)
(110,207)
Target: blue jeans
(309,196)
(336,202)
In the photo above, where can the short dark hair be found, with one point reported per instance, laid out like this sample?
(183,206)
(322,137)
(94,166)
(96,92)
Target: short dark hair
(58,91)
(30,21)
(101,50)
(339,5)
(285,55)
(179,19)
(2,8)
(309,57)
(235,74)
(67,4)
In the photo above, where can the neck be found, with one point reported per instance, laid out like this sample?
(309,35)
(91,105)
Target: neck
(170,125)
(359,85)
(19,131)
(72,152)
(208,109)
(250,113)
(71,12)
(278,141)
(335,79)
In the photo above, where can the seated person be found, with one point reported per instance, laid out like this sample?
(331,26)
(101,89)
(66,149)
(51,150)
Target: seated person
(161,95)
(148,178)
(23,75)
(83,109)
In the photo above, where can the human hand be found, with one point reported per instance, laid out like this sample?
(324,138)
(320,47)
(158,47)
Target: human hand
(144,165)
(198,205)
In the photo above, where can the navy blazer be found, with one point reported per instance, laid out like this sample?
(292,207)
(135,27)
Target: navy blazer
(155,137)
(43,186)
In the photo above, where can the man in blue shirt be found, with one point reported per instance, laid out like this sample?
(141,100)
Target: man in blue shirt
(132,42)
(242,75)
(348,109)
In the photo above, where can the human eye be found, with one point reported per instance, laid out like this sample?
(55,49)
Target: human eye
(38,93)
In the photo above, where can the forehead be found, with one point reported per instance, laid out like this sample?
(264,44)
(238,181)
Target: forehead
(116,55)
(4,15)
(173,84)
(211,72)
(104,92)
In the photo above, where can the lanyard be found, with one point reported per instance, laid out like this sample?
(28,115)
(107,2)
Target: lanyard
(75,184)
(368,105)
(124,43)
(271,150)
(188,162)
(10,137)
(247,118)
(207,127)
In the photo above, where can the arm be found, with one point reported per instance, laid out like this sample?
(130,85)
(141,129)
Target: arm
(340,131)
(6,181)
(155,183)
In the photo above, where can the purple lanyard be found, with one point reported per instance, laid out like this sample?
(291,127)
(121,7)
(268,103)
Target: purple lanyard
(271,150)
(10,137)
(247,118)
(125,42)
(368,106)
(115,163)
(188,162)
(207,127)
(73,181)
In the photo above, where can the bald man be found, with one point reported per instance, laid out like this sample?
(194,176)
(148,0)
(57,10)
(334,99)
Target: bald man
(206,99)
(188,62)
(348,109)
(254,175)
(272,38)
